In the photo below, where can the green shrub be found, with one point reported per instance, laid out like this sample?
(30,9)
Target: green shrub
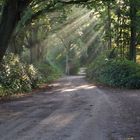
(34,75)
(5,91)
(115,72)
(94,69)
(48,72)
(16,76)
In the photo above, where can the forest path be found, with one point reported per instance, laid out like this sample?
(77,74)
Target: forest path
(73,110)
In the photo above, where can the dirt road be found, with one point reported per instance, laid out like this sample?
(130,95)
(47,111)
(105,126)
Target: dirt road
(73,110)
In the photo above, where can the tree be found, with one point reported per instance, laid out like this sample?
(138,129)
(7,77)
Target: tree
(14,11)
(133,28)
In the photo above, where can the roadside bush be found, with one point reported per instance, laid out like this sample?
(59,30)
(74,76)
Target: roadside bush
(34,75)
(49,72)
(115,72)
(4,91)
(15,76)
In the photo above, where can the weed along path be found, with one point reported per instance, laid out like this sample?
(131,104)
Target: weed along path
(73,110)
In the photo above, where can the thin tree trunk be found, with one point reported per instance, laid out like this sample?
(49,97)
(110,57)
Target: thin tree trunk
(133,29)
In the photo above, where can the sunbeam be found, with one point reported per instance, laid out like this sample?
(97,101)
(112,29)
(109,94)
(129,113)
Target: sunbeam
(94,36)
(78,22)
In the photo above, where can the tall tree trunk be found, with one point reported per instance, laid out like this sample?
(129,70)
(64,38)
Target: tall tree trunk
(7,25)
(10,17)
(133,29)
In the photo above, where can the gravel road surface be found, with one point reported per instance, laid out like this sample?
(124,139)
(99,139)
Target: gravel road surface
(73,110)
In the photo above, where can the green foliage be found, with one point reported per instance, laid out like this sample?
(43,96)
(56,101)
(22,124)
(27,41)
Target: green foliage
(16,77)
(115,72)
(74,67)
(48,72)
(34,75)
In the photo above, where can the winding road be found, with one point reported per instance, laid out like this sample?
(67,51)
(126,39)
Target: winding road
(73,110)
